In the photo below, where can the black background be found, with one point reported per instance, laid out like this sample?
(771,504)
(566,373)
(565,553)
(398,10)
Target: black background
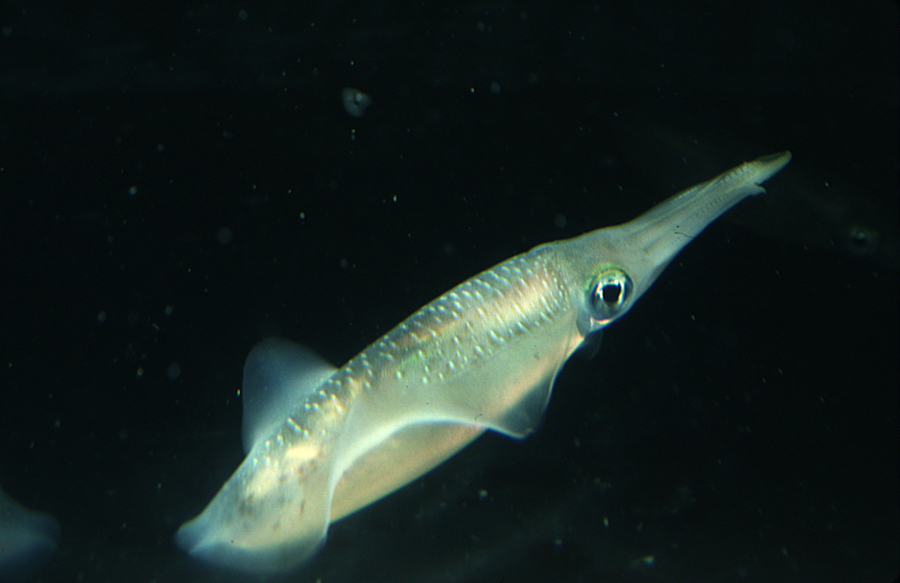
(180,180)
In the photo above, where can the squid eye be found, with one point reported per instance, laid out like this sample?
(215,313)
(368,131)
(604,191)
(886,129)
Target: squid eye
(609,294)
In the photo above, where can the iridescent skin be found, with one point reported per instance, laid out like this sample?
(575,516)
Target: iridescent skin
(323,443)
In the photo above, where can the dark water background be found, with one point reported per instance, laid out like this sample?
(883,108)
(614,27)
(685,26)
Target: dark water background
(179,180)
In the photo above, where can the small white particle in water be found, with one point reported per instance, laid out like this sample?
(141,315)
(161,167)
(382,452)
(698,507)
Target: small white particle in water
(355,101)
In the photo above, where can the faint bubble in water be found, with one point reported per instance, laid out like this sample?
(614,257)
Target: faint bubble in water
(225,236)
(173,371)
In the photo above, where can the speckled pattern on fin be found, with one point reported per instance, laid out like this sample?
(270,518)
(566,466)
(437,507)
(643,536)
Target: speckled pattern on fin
(278,374)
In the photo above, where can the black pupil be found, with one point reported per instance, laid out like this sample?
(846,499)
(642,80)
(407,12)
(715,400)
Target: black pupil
(610,293)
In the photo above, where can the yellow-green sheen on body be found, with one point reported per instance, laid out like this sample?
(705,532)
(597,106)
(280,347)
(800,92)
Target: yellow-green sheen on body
(323,442)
